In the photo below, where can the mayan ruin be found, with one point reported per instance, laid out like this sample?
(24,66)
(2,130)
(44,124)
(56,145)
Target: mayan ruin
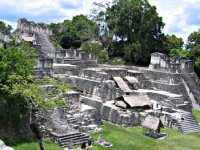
(76,98)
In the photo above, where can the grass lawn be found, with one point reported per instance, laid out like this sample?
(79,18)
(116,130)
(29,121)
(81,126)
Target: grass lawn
(33,145)
(133,139)
(196,113)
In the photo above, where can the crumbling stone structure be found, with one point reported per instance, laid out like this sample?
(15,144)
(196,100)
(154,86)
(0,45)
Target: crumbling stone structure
(30,26)
(121,95)
(176,64)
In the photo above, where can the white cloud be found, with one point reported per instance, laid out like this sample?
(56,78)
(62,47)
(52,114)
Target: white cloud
(13,24)
(175,15)
(174,12)
(37,8)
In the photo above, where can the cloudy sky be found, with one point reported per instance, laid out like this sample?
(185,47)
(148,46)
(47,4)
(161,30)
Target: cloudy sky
(180,16)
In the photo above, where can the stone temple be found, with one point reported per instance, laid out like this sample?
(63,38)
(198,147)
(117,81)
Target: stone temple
(123,95)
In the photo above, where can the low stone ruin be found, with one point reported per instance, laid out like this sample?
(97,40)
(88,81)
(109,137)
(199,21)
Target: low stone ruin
(102,142)
(121,95)
(30,26)
(176,64)
(124,96)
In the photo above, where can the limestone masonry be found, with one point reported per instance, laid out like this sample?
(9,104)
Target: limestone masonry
(123,95)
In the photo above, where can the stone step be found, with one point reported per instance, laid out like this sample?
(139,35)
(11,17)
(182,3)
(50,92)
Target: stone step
(187,114)
(64,135)
(73,136)
(75,143)
(193,122)
(190,126)
(188,121)
(74,139)
(190,130)
(188,117)
(72,120)
(45,42)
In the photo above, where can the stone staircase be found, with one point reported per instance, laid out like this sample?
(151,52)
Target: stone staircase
(188,123)
(46,45)
(75,138)
(71,120)
(179,103)
(193,86)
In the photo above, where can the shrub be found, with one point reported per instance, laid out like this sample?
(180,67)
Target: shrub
(96,48)
(116,61)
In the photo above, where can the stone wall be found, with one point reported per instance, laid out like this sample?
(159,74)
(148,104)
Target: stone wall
(161,61)
(87,86)
(165,77)
(30,26)
(172,88)
(105,90)
(169,122)
(192,88)
(66,69)
(116,72)
(112,114)
(95,73)
(81,63)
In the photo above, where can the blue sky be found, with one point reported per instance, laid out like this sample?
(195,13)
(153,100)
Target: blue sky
(180,16)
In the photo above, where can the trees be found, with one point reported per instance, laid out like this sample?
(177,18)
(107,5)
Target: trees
(86,29)
(173,46)
(194,43)
(172,42)
(136,25)
(18,91)
(98,15)
(5,28)
(96,48)
(193,46)
(178,52)
(15,65)
(72,33)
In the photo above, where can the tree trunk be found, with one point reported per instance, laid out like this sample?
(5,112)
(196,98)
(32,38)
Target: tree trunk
(41,144)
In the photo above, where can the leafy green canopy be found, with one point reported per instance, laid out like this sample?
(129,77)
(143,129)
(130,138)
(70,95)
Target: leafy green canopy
(135,27)
(95,48)
(18,92)
(178,52)
(194,49)
(5,28)
(15,64)
(172,42)
(72,33)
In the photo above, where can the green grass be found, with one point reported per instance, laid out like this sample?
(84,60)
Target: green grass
(33,145)
(133,139)
(196,113)
(130,139)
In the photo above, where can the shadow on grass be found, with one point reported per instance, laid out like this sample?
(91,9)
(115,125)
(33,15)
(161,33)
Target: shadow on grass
(14,142)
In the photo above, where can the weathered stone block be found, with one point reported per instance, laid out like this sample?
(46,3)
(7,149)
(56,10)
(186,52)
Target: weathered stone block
(108,90)
(105,111)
